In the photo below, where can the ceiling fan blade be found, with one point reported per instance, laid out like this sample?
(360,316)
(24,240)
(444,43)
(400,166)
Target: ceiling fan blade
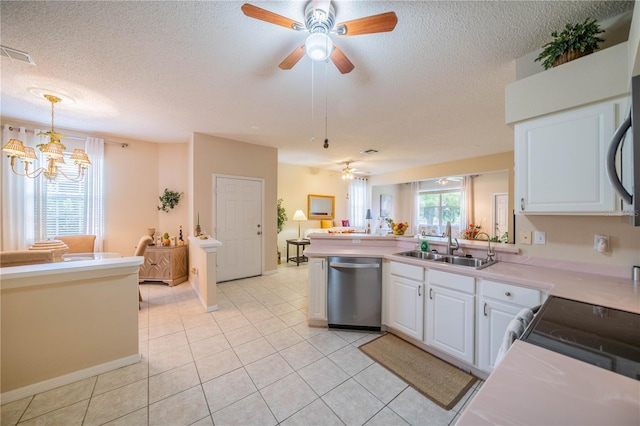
(273,18)
(381,23)
(343,63)
(293,58)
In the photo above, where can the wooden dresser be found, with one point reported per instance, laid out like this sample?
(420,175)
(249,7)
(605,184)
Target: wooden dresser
(166,264)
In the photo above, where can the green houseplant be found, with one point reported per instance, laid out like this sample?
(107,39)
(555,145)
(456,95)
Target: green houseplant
(282,218)
(169,200)
(574,41)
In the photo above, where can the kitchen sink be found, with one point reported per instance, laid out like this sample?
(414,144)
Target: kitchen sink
(426,255)
(470,262)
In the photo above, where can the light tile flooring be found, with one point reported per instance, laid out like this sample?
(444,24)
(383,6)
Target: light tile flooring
(252,362)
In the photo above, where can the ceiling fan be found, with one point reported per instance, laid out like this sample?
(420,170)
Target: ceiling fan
(320,22)
(349,173)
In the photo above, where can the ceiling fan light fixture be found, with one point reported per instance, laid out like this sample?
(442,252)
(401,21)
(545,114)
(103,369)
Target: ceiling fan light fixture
(318,46)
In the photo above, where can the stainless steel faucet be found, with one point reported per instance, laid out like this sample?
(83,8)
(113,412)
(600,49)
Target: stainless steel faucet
(490,252)
(450,246)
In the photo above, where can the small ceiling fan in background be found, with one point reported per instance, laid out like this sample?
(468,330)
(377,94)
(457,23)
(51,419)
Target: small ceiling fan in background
(320,22)
(348,173)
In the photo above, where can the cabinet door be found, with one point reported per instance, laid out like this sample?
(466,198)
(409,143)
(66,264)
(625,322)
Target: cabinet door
(560,162)
(449,322)
(317,289)
(406,305)
(494,318)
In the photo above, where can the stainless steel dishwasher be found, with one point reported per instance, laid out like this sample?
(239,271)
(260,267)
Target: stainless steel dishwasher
(354,298)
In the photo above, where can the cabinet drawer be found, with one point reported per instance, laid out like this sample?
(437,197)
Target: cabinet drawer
(510,293)
(453,281)
(409,271)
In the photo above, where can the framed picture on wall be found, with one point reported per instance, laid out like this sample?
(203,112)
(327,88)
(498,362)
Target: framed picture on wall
(386,205)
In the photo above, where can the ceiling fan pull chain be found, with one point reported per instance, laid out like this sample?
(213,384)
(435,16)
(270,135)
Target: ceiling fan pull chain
(326,103)
(313,138)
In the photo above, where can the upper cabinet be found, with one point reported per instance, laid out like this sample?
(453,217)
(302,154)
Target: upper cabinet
(560,161)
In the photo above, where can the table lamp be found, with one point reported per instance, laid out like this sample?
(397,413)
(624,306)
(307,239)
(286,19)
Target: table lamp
(368,217)
(299,217)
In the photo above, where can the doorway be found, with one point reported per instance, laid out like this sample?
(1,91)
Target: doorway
(238,224)
(500,214)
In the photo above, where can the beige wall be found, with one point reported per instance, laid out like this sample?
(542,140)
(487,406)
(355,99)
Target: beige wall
(571,238)
(213,155)
(295,183)
(135,177)
(45,333)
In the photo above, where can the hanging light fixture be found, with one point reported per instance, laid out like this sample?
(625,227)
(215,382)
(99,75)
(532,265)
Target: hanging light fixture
(53,151)
(347,172)
(318,46)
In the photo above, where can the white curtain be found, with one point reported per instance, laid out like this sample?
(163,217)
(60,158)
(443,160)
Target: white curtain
(18,232)
(413,207)
(466,203)
(94,220)
(358,202)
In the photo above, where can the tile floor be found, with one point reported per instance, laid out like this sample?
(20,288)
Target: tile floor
(252,362)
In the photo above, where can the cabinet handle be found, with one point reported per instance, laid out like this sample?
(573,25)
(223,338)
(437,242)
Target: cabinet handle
(507,293)
(419,290)
(484,309)
(522,204)
(430,293)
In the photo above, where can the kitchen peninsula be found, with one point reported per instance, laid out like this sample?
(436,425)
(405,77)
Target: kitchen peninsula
(532,385)
(65,321)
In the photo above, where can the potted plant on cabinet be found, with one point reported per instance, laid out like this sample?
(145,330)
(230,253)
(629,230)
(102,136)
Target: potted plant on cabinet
(282,218)
(574,41)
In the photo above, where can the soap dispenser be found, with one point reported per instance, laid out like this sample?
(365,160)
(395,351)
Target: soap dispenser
(424,244)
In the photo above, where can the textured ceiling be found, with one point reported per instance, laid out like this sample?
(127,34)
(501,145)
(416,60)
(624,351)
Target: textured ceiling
(428,92)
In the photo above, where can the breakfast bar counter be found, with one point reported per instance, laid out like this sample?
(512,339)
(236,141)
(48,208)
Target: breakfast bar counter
(65,321)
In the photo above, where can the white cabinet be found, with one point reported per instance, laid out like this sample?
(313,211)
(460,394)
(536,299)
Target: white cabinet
(406,299)
(560,161)
(317,289)
(498,304)
(449,319)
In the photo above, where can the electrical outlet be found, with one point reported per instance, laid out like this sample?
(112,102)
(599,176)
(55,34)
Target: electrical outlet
(525,237)
(601,243)
(539,237)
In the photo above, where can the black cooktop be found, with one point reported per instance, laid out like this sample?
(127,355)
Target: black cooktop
(605,337)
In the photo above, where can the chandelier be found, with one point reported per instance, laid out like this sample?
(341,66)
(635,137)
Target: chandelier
(53,151)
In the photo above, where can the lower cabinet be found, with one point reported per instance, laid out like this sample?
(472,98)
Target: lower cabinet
(406,299)
(498,304)
(318,289)
(450,309)
(166,264)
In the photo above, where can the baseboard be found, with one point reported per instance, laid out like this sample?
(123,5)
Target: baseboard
(270,272)
(203,302)
(66,379)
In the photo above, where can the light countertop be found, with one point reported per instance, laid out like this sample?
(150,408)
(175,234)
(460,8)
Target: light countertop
(533,385)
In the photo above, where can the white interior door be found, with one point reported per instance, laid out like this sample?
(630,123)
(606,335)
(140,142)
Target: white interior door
(238,223)
(500,214)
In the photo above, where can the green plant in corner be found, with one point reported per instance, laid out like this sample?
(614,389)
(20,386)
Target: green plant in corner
(574,41)
(282,216)
(169,200)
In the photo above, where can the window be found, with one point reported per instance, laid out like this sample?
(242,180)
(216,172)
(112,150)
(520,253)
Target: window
(60,207)
(435,208)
